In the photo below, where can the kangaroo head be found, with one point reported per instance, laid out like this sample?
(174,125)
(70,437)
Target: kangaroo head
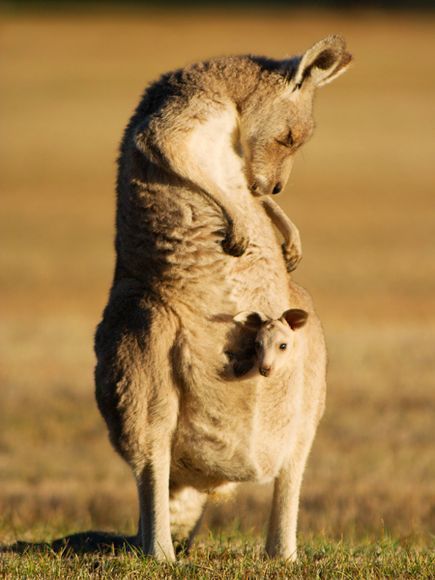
(274,339)
(277,118)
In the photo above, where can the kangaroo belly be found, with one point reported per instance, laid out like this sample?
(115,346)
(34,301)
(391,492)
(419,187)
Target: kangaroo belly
(230,430)
(242,434)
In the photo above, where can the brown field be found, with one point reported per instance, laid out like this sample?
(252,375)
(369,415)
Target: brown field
(362,194)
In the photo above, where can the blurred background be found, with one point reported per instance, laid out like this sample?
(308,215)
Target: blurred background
(362,194)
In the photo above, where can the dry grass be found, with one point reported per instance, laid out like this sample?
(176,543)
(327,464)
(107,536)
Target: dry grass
(362,194)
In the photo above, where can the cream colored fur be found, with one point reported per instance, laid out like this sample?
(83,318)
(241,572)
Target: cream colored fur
(195,246)
(273,346)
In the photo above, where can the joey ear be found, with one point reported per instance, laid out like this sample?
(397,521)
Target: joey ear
(295,318)
(323,62)
(250,319)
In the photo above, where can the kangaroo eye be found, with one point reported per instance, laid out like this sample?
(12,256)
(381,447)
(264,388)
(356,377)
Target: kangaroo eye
(287,141)
(283,346)
(257,345)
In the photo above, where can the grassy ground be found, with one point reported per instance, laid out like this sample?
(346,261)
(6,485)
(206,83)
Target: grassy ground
(234,557)
(362,195)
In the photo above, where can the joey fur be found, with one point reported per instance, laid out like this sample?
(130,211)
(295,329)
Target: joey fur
(272,342)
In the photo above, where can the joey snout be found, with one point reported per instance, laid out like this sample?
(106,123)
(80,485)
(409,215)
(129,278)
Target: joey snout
(265,370)
(265,364)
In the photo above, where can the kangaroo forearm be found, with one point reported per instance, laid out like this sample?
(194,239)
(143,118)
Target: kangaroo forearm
(193,148)
(169,150)
(285,226)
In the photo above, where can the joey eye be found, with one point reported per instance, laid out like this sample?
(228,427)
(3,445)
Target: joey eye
(283,346)
(257,345)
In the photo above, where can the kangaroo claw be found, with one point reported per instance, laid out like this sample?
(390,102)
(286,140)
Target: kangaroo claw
(235,247)
(292,257)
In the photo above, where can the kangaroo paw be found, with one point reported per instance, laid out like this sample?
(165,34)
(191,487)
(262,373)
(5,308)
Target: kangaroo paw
(235,245)
(292,256)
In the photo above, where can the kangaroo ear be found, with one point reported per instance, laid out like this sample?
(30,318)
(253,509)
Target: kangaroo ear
(323,62)
(295,318)
(250,319)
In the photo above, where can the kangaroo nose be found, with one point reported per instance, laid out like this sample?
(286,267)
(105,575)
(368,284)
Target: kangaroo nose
(265,371)
(277,188)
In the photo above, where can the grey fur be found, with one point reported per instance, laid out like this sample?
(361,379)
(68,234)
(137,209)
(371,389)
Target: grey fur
(194,246)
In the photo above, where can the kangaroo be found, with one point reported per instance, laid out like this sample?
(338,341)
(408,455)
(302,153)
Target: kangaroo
(271,347)
(195,245)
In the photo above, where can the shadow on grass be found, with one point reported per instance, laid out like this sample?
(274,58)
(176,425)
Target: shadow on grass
(80,543)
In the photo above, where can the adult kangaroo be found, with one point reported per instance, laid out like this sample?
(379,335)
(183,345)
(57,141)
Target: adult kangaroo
(195,245)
